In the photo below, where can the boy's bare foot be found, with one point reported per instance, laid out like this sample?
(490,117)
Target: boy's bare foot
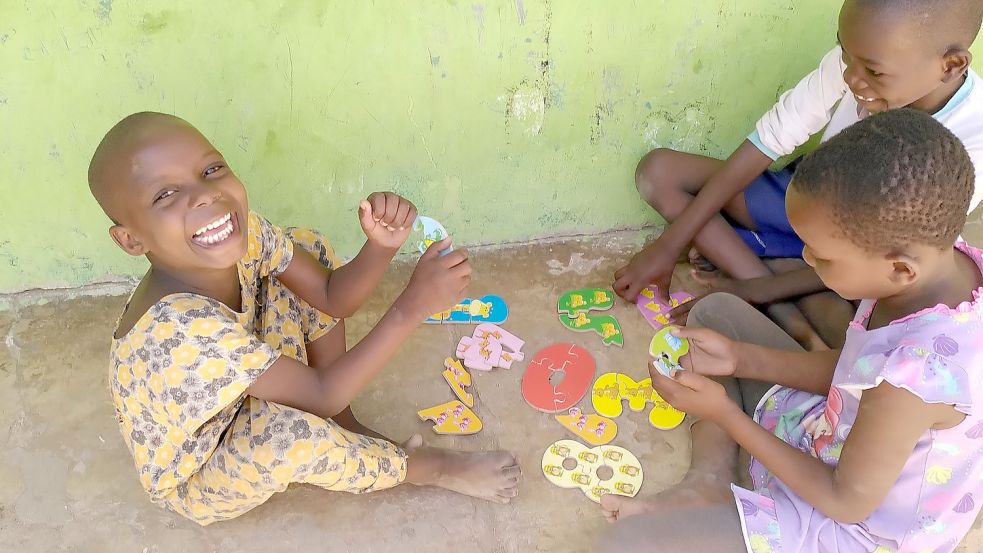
(490,476)
(697,260)
(695,490)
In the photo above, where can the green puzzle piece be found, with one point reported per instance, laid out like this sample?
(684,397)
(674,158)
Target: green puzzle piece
(580,301)
(605,325)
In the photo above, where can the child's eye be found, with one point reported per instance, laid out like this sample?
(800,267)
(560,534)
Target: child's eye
(213,169)
(164,195)
(874,73)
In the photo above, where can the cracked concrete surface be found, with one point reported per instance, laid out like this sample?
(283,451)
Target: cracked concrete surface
(67,482)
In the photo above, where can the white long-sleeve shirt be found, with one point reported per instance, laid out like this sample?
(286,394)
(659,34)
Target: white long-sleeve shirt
(823,99)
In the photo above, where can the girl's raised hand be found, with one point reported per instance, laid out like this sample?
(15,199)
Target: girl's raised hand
(386,218)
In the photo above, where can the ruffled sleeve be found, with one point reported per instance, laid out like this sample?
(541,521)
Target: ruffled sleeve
(929,375)
(269,250)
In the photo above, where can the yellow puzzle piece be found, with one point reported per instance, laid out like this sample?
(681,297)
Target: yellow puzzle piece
(452,417)
(458,378)
(570,464)
(593,429)
(611,389)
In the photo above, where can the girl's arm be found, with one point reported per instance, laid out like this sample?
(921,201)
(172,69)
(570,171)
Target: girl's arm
(889,423)
(713,354)
(810,371)
(387,220)
(436,283)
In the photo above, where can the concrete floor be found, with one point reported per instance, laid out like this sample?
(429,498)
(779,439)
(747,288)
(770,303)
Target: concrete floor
(67,482)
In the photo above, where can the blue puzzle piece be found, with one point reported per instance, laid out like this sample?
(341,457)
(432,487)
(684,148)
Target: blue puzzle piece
(432,232)
(486,309)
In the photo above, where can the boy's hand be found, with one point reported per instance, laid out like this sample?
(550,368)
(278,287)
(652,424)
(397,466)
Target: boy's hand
(710,353)
(386,218)
(652,265)
(438,282)
(694,394)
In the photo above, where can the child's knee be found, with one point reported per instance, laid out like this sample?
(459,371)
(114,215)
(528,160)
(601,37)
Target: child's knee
(654,177)
(715,307)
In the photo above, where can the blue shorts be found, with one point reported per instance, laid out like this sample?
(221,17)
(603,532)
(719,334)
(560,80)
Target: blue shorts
(765,199)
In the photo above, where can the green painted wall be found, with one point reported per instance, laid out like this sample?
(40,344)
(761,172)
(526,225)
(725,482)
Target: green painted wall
(504,119)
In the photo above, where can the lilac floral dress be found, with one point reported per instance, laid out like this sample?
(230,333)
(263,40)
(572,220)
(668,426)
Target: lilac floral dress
(937,354)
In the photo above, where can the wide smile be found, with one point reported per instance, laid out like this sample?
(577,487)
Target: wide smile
(217,232)
(864,98)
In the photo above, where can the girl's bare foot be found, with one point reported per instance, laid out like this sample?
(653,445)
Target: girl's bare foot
(491,476)
(697,260)
(695,490)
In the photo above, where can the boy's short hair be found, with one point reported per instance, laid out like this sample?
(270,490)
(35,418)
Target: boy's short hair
(896,179)
(951,23)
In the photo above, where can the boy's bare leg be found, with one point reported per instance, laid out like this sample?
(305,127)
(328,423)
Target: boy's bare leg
(668,181)
(321,353)
(714,463)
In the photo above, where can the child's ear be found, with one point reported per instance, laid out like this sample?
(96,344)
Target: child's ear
(904,270)
(126,240)
(956,63)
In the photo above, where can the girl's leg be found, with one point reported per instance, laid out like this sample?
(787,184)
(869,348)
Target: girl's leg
(321,353)
(713,467)
(713,529)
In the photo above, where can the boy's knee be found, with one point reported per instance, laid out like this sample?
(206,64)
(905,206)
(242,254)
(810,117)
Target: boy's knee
(715,307)
(653,175)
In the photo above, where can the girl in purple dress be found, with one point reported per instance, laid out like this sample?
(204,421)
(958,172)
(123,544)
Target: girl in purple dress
(875,447)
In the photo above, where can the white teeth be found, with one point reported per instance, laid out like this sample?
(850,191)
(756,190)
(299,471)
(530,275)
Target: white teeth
(214,224)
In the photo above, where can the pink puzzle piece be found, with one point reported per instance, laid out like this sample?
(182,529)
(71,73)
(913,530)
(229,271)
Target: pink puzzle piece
(655,311)
(488,347)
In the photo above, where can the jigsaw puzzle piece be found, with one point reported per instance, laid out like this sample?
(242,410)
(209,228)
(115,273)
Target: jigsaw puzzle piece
(664,416)
(432,231)
(453,418)
(593,429)
(606,395)
(655,311)
(486,309)
(458,379)
(605,325)
(583,300)
(570,464)
(549,392)
(666,350)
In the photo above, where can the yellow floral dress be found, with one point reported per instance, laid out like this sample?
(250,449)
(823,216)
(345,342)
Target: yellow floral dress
(202,446)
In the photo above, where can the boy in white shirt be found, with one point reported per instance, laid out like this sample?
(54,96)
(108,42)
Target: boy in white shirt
(891,54)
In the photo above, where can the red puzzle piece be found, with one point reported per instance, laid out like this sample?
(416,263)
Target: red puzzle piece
(577,367)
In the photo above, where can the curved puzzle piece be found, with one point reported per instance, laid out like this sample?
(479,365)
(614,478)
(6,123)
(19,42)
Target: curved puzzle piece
(486,349)
(656,311)
(611,388)
(583,300)
(458,379)
(432,232)
(452,417)
(607,326)
(627,471)
(666,350)
(486,309)
(593,429)
(664,416)
(577,367)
